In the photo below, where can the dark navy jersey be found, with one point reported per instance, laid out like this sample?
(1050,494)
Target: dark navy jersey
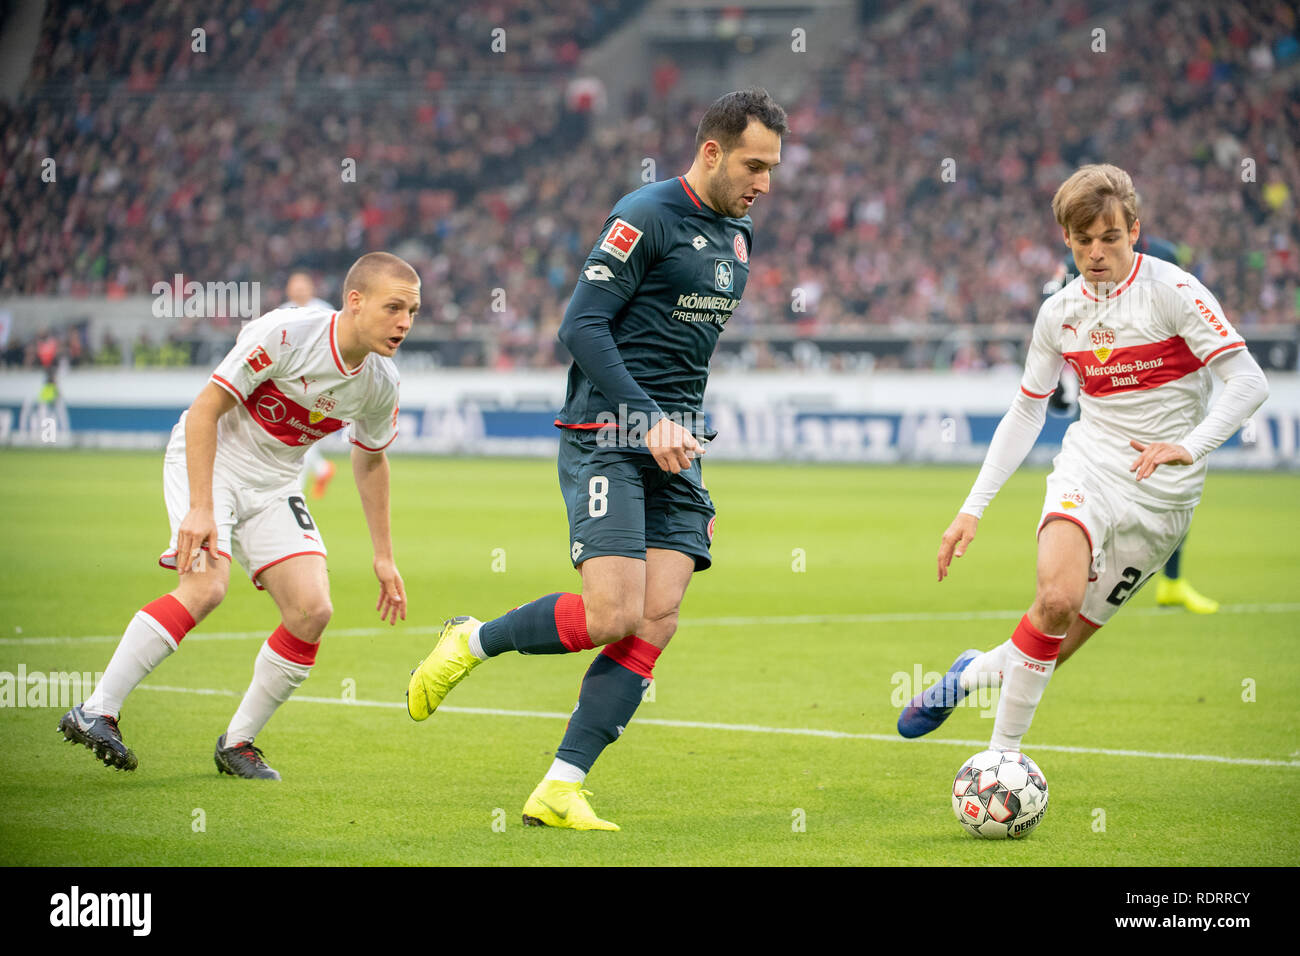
(668,272)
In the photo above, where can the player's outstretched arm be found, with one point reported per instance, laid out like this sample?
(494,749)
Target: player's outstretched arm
(956,540)
(371,473)
(199,526)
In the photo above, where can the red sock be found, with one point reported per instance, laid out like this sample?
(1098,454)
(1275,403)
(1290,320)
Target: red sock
(170,614)
(636,655)
(292,649)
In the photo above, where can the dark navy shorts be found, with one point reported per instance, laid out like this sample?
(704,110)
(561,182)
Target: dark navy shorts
(621,502)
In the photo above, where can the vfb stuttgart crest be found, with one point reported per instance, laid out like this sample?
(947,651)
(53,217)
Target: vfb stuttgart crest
(1103,342)
(324,405)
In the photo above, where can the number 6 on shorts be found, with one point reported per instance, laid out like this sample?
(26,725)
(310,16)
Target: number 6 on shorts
(597,496)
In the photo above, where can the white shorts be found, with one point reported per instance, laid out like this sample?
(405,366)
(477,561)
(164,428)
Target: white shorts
(257,527)
(1129,541)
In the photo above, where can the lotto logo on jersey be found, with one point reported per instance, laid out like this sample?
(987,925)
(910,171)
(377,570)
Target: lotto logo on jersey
(258,360)
(620,240)
(1211,318)
(1103,343)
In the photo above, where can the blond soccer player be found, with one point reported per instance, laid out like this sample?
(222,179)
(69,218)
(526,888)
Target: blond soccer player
(1144,337)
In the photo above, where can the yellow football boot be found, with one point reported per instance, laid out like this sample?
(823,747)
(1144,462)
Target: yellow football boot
(1178,592)
(443,669)
(556,803)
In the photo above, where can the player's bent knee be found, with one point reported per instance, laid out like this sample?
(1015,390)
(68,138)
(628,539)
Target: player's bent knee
(612,624)
(313,618)
(1058,607)
(201,594)
(658,624)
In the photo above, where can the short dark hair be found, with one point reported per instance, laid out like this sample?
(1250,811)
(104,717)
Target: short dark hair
(728,118)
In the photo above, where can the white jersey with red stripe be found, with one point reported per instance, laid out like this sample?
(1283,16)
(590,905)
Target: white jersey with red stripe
(1140,351)
(293,389)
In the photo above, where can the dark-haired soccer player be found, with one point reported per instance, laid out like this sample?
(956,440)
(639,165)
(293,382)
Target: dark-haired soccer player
(653,296)
(231,483)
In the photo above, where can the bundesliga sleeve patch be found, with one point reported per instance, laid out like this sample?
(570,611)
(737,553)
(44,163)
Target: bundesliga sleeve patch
(621,240)
(258,360)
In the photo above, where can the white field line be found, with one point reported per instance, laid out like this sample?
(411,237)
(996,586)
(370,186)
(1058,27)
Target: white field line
(752,728)
(904,617)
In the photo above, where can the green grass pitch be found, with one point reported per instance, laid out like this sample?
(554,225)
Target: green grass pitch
(821,605)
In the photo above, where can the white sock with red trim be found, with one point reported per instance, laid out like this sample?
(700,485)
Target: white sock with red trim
(154,632)
(986,670)
(1030,660)
(282,664)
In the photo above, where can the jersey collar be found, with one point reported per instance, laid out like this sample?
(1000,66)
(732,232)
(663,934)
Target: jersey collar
(338,356)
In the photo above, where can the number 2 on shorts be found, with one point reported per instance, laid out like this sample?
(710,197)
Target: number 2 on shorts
(597,496)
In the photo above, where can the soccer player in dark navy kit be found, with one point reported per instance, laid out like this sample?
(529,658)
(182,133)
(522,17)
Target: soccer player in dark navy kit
(665,275)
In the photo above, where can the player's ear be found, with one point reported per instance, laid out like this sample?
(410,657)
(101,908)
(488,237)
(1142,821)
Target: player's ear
(1135,230)
(1065,234)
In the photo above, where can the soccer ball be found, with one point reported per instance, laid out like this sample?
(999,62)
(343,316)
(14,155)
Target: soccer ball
(999,794)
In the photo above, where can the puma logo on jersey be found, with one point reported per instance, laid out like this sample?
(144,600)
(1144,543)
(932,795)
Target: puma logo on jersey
(1066,325)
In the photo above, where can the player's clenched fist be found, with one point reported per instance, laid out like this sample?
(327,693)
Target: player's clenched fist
(672,446)
(956,540)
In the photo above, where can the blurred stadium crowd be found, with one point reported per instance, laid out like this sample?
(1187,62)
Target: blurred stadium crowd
(225,165)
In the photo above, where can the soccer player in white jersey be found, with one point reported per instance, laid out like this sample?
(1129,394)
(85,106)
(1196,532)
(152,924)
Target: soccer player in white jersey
(230,481)
(300,291)
(1143,336)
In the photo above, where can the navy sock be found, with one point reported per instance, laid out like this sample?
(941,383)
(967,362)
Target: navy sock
(555,624)
(611,693)
(1175,559)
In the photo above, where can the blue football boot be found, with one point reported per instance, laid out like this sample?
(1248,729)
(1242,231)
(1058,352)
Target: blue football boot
(930,708)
